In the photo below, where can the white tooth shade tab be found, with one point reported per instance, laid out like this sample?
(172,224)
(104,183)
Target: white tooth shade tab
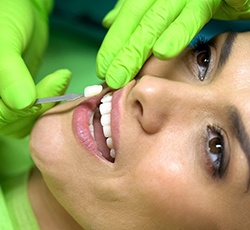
(92,90)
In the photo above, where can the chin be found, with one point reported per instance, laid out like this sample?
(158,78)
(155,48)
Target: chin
(47,139)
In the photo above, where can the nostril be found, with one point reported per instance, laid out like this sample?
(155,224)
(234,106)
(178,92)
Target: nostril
(139,107)
(138,111)
(148,106)
(149,118)
(147,124)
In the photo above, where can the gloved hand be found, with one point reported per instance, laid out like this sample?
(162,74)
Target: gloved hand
(23,38)
(162,27)
(19,123)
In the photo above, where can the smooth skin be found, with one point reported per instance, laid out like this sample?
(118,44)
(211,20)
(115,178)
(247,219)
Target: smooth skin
(163,176)
(162,27)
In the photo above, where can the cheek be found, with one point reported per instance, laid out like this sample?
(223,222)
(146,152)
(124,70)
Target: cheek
(162,182)
(49,140)
(168,186)
(53,156)
(43,140)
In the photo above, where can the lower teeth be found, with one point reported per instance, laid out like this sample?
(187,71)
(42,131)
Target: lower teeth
(112,153)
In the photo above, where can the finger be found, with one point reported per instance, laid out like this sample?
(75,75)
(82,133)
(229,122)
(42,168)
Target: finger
(19,128)
(19,124)
(17,88)
(139,47)
(54,84)
(238,4)
(119,33)
(8,115)
(111,16)
(37,45)
(181,31)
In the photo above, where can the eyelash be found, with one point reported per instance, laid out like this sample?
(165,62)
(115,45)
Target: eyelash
(200,47)
(215,161)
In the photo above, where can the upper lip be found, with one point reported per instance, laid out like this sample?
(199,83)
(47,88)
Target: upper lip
(118,103)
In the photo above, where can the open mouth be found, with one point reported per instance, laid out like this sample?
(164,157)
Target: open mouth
(100,128)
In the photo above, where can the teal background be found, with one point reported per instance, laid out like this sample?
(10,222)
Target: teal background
(71,50)
(76,34)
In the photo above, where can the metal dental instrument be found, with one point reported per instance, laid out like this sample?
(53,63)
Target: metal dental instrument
(66,97)
(88,92)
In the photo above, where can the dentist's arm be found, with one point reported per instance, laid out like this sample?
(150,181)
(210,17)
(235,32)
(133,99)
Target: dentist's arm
(162,27)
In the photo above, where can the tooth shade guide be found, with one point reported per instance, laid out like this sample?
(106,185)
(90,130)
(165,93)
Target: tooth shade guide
(92,90)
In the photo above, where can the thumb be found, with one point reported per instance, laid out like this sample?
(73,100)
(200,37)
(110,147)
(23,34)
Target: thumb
(19,123)
(54,84)
(14,79)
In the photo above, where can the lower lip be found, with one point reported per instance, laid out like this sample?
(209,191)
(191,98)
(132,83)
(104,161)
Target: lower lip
(80,123)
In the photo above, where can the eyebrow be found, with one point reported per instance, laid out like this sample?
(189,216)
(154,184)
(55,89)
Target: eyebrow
(238,126)
(226,49)
(239,130)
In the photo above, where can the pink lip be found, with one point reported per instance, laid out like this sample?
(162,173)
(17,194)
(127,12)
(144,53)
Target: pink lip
(81,117)
(80,123)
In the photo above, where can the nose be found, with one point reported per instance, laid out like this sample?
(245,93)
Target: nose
(161,101)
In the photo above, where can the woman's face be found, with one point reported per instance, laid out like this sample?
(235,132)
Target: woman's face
(180,136)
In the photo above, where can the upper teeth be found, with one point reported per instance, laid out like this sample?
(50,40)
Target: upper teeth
(105,109)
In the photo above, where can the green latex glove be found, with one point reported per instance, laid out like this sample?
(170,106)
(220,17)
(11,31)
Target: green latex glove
(162,27)
(18,124)
(23,38)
